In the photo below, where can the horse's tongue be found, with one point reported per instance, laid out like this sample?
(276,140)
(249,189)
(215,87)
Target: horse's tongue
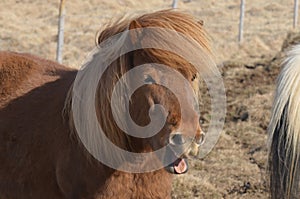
(181,166)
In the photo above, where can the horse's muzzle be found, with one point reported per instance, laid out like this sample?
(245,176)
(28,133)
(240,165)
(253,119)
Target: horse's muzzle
(180,148)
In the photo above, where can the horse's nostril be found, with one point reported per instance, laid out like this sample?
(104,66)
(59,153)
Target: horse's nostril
(202,139)
(177,139)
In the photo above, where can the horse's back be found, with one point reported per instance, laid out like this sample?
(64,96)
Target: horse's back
(19,73)
(32,132)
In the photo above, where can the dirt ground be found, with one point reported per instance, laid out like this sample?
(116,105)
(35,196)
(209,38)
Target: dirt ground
(236,166)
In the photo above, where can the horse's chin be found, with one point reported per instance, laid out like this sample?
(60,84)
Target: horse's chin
(180,166)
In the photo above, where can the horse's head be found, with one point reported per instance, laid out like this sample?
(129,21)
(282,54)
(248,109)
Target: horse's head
(181,132)
(167,80)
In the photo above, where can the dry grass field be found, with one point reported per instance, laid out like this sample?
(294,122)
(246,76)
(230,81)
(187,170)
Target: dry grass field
(236,166)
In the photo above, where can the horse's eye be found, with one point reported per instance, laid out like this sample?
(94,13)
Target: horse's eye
(149,80)
(194,77)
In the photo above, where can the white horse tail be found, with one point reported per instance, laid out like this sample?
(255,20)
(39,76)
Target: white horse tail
(284,131)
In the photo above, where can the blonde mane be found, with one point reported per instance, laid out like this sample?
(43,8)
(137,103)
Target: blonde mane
(284,130)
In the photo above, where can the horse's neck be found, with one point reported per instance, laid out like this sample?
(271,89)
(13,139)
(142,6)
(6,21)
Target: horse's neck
(95,180)
(144,185)
(77,175)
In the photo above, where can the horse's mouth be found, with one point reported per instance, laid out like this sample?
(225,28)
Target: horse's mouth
(179,152)
(180,166)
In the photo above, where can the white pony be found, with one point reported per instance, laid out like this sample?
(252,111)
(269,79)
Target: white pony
(284,131)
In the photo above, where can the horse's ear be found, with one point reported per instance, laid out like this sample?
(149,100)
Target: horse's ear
(136,30)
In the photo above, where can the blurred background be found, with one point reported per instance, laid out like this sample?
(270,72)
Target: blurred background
(31,25)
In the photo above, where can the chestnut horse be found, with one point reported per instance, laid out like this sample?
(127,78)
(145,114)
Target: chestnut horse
(284,131)
(42,156)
